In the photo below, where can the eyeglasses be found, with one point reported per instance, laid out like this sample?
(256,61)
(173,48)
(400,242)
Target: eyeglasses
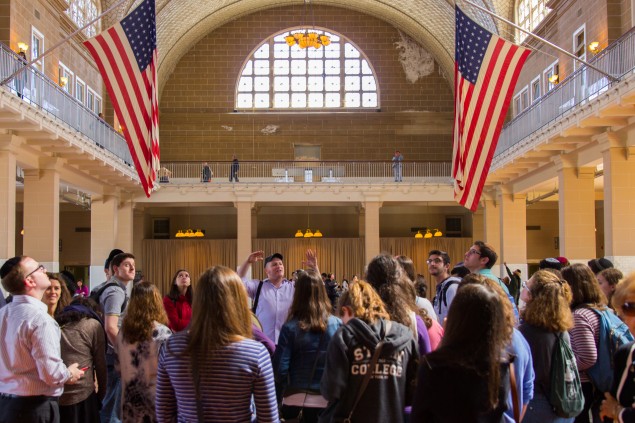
(40,268)
(472,251)
(435,261)
(628,309)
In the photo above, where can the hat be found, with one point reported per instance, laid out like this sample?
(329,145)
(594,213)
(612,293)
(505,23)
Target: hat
(599,264)
(273,256)
(9,265)
(563,260)
(550,263)
(112,255)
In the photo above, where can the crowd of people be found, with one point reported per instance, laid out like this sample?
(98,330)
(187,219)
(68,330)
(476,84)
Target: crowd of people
(310,349)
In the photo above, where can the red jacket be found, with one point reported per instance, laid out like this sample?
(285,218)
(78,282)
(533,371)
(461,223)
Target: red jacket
(179,312)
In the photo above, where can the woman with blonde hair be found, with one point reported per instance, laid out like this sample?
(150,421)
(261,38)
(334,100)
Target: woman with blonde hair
(214,367)
(143,331)
(618,404)
(298,362)
(367,337)
(546,317)
(56,296)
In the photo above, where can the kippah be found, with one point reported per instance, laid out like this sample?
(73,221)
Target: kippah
(9,265)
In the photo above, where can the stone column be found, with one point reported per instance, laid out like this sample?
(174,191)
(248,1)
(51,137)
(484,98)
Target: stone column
(576,210)
(371,229)
(243,231)
(619,201)
(7,204)
(42,214)
(513,231)
(124,238)
(103,234)
(492,225)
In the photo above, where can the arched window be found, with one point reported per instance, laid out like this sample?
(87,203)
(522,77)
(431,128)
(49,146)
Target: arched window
(82,12)
(279,77)
(530,14)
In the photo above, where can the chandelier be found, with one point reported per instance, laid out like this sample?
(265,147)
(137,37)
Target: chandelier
(308,233)
(428,234)
(310,36)
(189,233)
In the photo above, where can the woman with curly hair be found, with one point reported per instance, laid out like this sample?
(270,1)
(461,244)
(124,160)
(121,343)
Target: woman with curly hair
(178,302)
(467,378)
(546,317)
(298,362)
(587,299)
(56,296)
(211,371)
(142,333)
(386,275)
(350,355)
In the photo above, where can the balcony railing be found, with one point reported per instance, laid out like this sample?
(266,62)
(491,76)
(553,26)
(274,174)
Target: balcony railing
(38,90)
(348,172)
(583,85)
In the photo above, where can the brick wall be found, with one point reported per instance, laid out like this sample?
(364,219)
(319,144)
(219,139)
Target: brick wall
(199,98)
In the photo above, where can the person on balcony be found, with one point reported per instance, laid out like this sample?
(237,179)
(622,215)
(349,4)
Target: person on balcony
(233,175)
(396,165)
(206,173)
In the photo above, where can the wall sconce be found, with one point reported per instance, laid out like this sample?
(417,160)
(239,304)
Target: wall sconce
(23,47)
(63,81)
(418,235)
(594,47)
(554,78)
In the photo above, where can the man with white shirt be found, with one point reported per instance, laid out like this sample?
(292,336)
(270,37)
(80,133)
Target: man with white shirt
(32,373)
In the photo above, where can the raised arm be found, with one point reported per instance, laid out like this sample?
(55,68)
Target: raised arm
(310,261)
(251,259)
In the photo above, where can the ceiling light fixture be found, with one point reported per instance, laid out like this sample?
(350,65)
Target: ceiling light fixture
(309,36)
(189,233)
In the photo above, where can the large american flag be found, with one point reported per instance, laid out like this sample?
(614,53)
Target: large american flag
(485,74)
(126,55)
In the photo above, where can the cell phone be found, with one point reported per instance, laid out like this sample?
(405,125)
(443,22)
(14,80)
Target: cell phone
(83,369)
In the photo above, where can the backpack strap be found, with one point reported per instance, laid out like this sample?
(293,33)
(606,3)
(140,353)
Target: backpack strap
(257,297)
(108,285)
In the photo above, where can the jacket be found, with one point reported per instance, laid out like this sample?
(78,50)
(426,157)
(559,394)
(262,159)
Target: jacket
(296,354)
(179,312)
(394,376)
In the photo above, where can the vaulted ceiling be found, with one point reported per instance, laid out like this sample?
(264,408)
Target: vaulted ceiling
(182,23)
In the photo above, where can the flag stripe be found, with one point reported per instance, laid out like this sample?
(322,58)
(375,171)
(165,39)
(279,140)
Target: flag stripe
(487,68)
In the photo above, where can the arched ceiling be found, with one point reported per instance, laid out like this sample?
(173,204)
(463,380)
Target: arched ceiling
(182,23)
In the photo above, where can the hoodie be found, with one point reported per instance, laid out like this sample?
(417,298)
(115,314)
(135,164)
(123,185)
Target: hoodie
(392,383)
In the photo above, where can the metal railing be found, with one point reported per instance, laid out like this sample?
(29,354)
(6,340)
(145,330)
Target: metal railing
(583,85)
(38,90)
(306,172)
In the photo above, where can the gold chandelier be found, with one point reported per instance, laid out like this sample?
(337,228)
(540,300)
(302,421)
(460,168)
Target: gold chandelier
(428,234)
(310,36)
(189,233)
(308,233)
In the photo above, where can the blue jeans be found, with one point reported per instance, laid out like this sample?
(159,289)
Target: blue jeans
(111,405)
(540,411)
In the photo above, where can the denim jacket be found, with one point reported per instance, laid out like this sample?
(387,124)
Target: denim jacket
(295,357)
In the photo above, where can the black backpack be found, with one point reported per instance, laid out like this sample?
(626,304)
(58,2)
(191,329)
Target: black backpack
(95,294)
(565,390)
(441,296)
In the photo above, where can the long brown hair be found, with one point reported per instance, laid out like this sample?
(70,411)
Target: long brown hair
(476,331)
(584,287)
(311,306)
(220,312)
(549,305)
(65,295)
(145,307)
(364,302)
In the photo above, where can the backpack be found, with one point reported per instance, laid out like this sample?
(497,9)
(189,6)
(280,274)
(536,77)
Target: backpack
(441,297)
(565,389)
(613,334)
(96,293)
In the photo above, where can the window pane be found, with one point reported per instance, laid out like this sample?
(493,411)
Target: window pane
(316,100)
(298,83)
(281,67)
(261,101)
(332,100)
(332,67)
(351,83)
(262,52)
(332,51)
(351,100)
(244,100)
(351,67)
(248,70)
(332,83)
(315,53)
(298,67)
(369,99)
(245,84)
(261,83)
(316,67)
(281,83)
(366,70)
(280,51)
(316,83)
(368,83)
(298,100)
(297,52)
(281,100)
(261,67)
(350,51)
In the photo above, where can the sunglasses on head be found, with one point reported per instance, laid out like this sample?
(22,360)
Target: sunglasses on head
(628,309)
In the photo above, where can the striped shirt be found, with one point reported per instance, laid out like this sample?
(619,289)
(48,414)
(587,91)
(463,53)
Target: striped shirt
(584,339)
(228,379)
(30,358)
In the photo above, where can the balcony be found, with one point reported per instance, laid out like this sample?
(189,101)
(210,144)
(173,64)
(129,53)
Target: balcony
(583,87)
(306,172)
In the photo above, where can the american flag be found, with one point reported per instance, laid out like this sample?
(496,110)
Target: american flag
(485,74)
(126,55)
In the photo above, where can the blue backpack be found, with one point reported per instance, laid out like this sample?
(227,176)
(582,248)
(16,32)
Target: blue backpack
(613,334)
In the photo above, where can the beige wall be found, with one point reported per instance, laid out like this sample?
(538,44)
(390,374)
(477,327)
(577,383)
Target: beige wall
(540,243)
(199,98)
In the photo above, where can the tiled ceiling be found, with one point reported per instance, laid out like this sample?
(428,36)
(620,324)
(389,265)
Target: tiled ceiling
(182,23)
